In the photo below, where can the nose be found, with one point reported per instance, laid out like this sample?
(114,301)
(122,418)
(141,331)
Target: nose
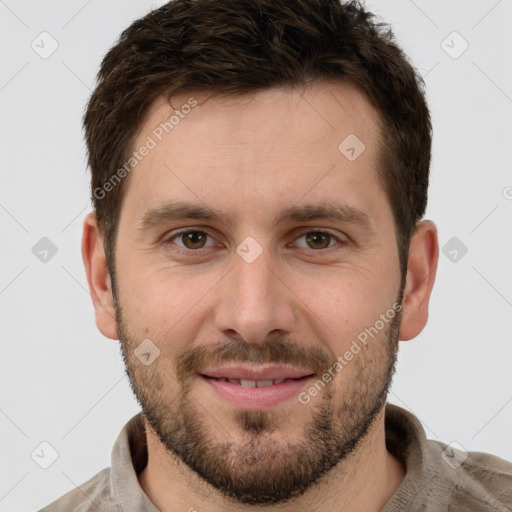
(254,301)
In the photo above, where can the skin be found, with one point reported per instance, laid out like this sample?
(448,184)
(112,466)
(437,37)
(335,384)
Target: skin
(251,158)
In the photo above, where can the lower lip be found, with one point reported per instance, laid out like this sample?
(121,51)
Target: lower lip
(254,399)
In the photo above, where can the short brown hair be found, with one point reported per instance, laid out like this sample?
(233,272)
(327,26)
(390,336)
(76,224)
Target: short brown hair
(235,47)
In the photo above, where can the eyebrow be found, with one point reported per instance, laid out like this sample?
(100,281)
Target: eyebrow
(181,210)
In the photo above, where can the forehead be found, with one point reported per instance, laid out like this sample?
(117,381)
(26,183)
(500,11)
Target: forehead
(309,114)
(278,144)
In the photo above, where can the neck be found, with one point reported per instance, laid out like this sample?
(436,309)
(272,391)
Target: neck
(365,480)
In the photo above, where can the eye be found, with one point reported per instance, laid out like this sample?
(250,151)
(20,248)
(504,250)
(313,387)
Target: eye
(192,239)
(196,239)
(319,239)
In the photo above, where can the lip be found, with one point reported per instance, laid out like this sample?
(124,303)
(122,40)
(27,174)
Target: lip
(257,398)
(269,372)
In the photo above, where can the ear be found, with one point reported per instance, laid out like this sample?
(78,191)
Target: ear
(421,274)
(98,277)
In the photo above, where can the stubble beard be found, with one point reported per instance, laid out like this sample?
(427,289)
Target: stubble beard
(255,465)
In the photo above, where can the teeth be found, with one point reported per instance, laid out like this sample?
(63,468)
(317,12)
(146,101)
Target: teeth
(264,383)
(252,383)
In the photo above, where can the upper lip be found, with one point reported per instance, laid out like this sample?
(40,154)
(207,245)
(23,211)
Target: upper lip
(243,372)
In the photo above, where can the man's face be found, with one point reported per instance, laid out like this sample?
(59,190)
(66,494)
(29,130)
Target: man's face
(268,289)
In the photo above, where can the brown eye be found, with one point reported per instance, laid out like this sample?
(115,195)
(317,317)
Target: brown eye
(193,239)
(191,242)
(318,240)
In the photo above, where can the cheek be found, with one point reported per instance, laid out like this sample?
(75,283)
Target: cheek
(165,305)
(342,303)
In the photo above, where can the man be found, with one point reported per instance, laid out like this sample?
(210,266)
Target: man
(259,177)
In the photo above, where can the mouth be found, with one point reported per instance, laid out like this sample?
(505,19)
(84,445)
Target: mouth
(252,388)
(246,383)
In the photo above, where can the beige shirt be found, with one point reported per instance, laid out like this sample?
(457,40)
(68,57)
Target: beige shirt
(439,478)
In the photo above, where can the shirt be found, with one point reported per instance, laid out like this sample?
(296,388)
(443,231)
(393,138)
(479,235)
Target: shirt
(439,477)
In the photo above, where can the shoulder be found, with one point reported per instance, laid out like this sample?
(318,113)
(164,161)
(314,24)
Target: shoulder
(93,495)
(479,479)
(441,476)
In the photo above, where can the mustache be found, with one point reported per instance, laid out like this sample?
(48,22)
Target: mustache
(274,350)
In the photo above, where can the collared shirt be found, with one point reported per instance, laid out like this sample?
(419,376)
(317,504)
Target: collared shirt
(439,477)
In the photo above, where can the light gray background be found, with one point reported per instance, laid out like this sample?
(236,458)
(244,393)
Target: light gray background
(62,382)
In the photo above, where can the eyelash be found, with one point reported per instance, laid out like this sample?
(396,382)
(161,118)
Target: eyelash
(169,240)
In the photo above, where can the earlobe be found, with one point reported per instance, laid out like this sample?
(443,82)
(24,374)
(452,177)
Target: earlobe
(421,274)
(98,277)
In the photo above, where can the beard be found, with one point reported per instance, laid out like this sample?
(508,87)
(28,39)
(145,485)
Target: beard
(254,464)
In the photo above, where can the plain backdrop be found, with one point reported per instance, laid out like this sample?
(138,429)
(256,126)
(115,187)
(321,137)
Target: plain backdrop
(63,383)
